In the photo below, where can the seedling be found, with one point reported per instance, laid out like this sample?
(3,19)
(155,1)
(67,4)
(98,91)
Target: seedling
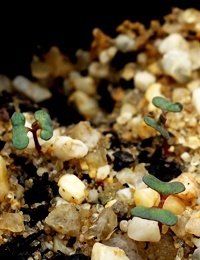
(166,106)
(159,214)
(19,130)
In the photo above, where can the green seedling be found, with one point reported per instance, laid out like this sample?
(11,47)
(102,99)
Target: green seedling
(19,131)
(166,106)
(159,214)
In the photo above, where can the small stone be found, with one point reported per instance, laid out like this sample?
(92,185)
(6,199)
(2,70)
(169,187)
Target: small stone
(13,222)
(103,171)
(171,42)
(196,98)
(5,84)
(124,43)
(66,148)
(85,84)
(126,113)
(143,79)
(191,191)
(84,132)
(125,243)
(177,64)
(86,105)
(102,252)
(153,90)
(146,197)
(192,226)
(196,254)
(72,189)
(31,89)
(65,219)
(104,226)
(98,70)
(143,230)
(106,55)
(5,186)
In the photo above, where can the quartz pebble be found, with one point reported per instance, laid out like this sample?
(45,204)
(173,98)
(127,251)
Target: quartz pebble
(12,221)
(66,148)
(104,226)
(84,132)
(143,230)
(146,197)
(177,64)
(4,183)
(86,105)
(125,243)
(126,113)
(196,98)
(143,79)
(72,189)
(102,252)
(107,55)
(124,43)
(65,219)
(190,193)
(171,42)
(32,90)
(103,171)
(192,226)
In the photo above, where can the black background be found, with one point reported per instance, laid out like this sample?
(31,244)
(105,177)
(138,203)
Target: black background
(32,28)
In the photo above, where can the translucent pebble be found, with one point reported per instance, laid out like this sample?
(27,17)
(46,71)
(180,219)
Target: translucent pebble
(32,90)
(65,219)
(177,64)
(12,221)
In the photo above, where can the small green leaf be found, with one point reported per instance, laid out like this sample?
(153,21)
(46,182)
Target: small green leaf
(152,122)
(19,137)
(19,132)
(161,187)
(45,124)
(161,215)
(18,119)
(167,105)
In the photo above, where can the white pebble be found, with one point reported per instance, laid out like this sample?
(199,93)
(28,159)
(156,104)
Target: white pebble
(72,189)
(143,230)
(177,64)
(173,41)
(143,79)
(123,224)
(32,90)
(103,171)
(196,98)
(107,55)
(65,148)
(126,113)
(185,157)
(103,252)
(125,193)
(124,43)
